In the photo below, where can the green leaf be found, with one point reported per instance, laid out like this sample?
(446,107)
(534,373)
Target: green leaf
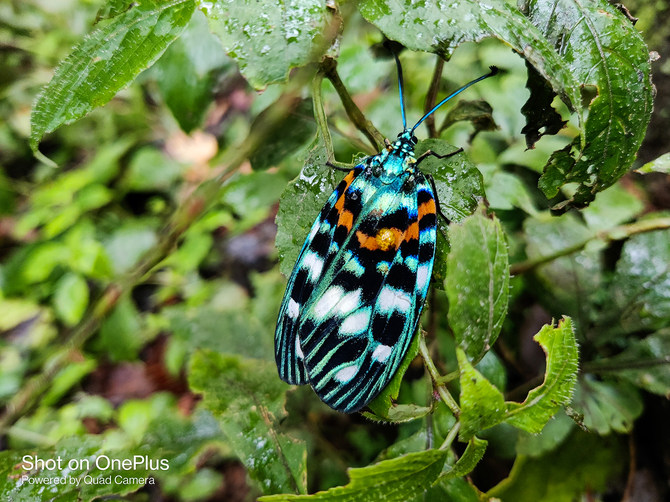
(106,61)
(543,402)
(658,165)
(70,298)
(614,206)
(440,27)
(187,73)
(248,399)
(641,283)
(586,463)
(66,378)
(398,479)
(571,280)
(469,459)
(645,363)
(607,54)
(301,202)
(121,335)
(607,406)
(482,404)
(268,38)
(477,283)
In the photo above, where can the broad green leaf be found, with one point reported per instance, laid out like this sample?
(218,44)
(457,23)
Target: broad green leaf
(605,53)
(66,378)
(585,463)
(438,26)
(482,404)
(301,202)
(641,283)
(248,399)
(268,38)
(543,402)
(128,242)
(107,60)
(398,479)
(571,280)
(187,73)
(150,170)
(477,283)
(645,363)
(450,490)
(607,405)
(70,298)
(659,165)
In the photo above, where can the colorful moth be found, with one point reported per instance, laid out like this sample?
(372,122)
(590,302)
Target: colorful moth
(353,301)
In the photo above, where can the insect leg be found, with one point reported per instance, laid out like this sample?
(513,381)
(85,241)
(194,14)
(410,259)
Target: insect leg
(338,166)
(433,154)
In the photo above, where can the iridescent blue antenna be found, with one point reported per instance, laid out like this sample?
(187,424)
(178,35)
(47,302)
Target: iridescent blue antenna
(493,71)
(402,97)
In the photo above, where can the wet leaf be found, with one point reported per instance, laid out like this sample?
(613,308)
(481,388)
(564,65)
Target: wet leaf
(606,53)
(477,283)
(268,38)
(301,202)
(440,27)
(641,284)
(543,402)
(397,479)
(607,406)
(646,363)
(248,399)
(107,60)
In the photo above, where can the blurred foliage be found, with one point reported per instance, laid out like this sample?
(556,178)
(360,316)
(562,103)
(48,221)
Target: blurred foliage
(147,149)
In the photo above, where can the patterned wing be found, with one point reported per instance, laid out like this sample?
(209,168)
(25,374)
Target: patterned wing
(324,240)
(363,315)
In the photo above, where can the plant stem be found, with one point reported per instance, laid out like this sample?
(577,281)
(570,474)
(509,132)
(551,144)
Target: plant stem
(431,96)
(614,234)
(435,376)
(329,68)
(451,436)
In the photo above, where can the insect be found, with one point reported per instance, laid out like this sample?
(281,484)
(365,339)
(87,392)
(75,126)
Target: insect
(353,301)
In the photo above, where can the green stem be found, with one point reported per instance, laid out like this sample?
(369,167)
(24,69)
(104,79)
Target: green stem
(431,96)
(607,366)
(442,390)
(614,234)
(329,67)
(450,437)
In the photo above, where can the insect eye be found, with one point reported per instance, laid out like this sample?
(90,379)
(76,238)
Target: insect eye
(414,140)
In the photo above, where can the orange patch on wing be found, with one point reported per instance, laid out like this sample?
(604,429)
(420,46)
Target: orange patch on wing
(427,207)
(346,219)
(339,205)
(412,231)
